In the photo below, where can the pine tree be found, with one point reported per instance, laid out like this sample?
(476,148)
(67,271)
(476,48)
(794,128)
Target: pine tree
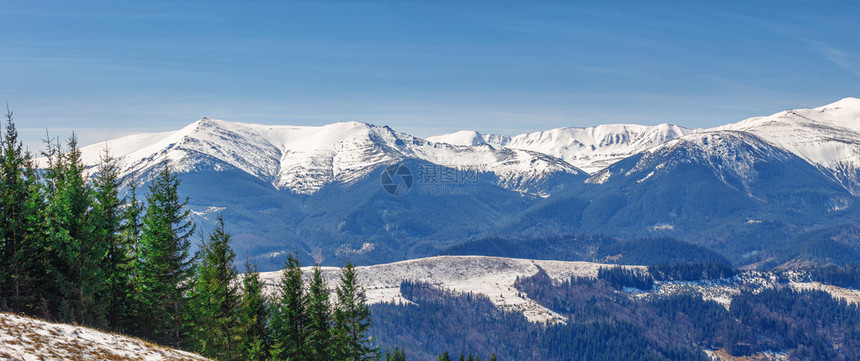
(164,264)
(352,320)
(289,326)
(215,298)
(253,316)
(445,356)
(132,218)
(75,259)
(319,318)
(397,355)
(21,240)
(108,219)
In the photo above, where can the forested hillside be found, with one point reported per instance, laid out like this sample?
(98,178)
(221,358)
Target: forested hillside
(74,250)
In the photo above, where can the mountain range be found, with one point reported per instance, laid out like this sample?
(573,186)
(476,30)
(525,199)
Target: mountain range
(757,190)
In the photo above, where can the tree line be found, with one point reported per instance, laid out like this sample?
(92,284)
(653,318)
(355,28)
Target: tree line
(77,249)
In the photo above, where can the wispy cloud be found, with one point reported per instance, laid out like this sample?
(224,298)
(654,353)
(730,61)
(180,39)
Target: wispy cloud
(844,60)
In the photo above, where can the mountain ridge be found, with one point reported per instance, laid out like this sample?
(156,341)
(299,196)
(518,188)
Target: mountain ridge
(319,189)
(303,159)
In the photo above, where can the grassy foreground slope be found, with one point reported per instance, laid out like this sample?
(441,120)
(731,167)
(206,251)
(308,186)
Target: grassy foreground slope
(23,338)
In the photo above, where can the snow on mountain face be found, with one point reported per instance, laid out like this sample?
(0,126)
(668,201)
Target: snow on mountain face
(463,137)
(590,149)
(28,339)
(731,155)
(827,137)
(303,159)
(595,148)
(471,138)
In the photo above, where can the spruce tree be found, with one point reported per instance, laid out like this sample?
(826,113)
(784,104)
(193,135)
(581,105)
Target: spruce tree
(109,222)
(215,297)
(319,318)
(352,320)
(253,316)
(397,355)
(164,264)
(76,258)
(289,325)
(21,241)
(445,356)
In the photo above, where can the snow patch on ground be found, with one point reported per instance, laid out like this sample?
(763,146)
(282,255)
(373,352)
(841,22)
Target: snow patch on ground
(846,294)
(28,339)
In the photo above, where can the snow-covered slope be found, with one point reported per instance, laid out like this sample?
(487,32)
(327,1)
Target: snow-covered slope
(590,149)
(28,339)
(303,159)
(493,277)
(731,155)
(827,137)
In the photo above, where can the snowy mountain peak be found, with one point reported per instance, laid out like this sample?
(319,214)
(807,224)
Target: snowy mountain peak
(595,148)
(304,159)
(463,137)
(731,155)
(827,137)
(590,148)
(848,102)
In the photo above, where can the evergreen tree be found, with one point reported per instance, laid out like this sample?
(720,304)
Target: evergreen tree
(445,356)
(319,319)
(21,241)
(289,326)
(397,355)
(164,264)
(352,320)
(253,316)
(215,298)
(108,219)
(76,259)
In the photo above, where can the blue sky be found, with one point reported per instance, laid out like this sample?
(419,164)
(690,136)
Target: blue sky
(109,68)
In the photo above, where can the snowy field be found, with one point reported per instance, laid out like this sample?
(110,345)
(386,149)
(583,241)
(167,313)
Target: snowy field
(493,277)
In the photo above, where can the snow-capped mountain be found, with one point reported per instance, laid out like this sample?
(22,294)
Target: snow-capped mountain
(713,185)
(303,159)
(318,189)
(590,149)
(827,137)
(732,156)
